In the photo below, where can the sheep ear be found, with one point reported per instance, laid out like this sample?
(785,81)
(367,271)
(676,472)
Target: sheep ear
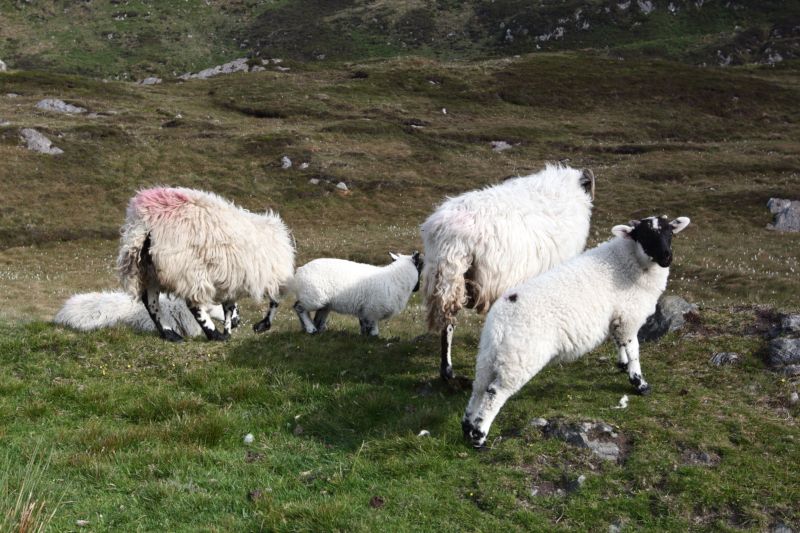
(622,231)
(587,181)
(679,224)
(394,256)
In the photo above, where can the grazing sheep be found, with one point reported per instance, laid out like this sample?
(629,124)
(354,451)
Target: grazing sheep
(569,311)
(97,310)
(202,248)
(482,242)
(369,292)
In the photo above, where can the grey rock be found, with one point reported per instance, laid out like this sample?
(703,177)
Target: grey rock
(538,422)
(781,528)
(152,80)
(4,122)
(614,528)
(724,358)
(599,437)
(669,316)
(314,181)
(342,186)
(12,95)
(783,352)
(790,324)
(794,398)
(59,106)
(787,214)
(286,162)
(500,146)
(3,66)
(237,65)
(37,142)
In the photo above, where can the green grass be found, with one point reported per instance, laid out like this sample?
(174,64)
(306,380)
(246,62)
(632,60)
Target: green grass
(129,432)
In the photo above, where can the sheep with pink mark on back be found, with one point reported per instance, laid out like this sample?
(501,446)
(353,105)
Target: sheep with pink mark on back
(202,248)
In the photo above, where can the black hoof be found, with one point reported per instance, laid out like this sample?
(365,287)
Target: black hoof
(235,322)
(446,372)
(262,326)
(171,336)
(623,367)
(644,391)
(217,336)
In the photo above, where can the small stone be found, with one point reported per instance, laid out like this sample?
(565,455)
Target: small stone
(59,106)
(249,438)
(303,166)
(286,162)
(314,181)
(424,433)
(724,358)
(39,143)
(787,214)
(500,146)
(614,528)
(12,95)
(444,111)
(342,186)
(538,422)
(152,80)
(81,523)
(3,66)
(794,398)
(781,528)
(282,69)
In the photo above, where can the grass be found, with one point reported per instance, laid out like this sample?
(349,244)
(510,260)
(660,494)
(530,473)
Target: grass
(145,435)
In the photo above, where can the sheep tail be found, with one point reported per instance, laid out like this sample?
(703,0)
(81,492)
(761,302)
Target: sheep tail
(134,248)
(445,287)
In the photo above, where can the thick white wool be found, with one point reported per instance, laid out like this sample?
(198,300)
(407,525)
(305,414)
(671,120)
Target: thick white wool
(204,248)
(371,292)
(499,236)
(96,310)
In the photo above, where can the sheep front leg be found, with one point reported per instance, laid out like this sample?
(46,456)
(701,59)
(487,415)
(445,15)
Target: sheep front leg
(231,312)
(368,326)
(235,319)
(206,324)
(321,319)
(264,325)
(150,300)
(628,348)
(446,366)
(305,319)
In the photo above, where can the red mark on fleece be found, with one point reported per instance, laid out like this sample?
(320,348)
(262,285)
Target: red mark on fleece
(160,202)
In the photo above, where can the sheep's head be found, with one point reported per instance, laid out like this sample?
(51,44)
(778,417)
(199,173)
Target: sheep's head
(653,235)
(416,260)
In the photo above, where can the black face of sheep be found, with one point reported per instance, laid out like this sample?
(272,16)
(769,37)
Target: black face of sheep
(654,235)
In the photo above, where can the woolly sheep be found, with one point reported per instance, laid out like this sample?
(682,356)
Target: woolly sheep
(204,249)
(569,311)
(98,310)
(369,292)
(482,242)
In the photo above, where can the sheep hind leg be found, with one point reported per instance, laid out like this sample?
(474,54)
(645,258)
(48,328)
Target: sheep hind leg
(305,319)
(266,324)
(150,300)
(235,318)
(321,319)
(206,324)
(628,349)
(446,366)
(368,327)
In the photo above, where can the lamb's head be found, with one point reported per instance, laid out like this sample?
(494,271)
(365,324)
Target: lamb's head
(415,259)
(653,236)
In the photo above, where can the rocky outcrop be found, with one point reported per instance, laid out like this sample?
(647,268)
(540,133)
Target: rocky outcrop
(37,142)
(59,106)
(670,315)
(787,214)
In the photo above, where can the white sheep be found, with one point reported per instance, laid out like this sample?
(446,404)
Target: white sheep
(97,310)
(482,242)
(204,249)
(562,314)
(369,292)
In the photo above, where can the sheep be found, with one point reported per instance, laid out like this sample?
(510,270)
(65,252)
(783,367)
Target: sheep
(206,250)
(563,314)
(369,292)
(483,242)
(97,310)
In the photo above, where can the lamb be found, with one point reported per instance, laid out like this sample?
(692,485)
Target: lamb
(483,242)
(569,311)
(369,292)
(97,310)
(204,249)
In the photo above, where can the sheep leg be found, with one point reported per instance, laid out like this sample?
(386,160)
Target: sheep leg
(265,324)
(368,327)
(305,319)
(230,313)
(150,300)
(235,319)
(206,324)
(446,368)
(628,349)
(321,319)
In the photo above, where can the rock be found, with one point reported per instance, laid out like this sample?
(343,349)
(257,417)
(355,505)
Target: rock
(699,458)
(59,106)
(286,162)
(599,437)
(787,214)
(303,166)
(3,66)
(81,523)
(794,398)
(4,122)
(500,146)
(783,352)
(282,69)
(669,316)
(237,65)
(12,95)
(790,324)
(724,358)
(248,439)
(781,528)
(152,80)
(424,433)
(314,181)
(342,186)
(538,422)
(575,484)
(39,143)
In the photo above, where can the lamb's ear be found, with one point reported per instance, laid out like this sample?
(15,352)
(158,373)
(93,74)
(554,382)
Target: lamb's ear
(622,231)
(587,181)
(394,256)
(679,224)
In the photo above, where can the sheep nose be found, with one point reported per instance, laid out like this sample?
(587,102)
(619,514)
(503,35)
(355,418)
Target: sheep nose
(666,260)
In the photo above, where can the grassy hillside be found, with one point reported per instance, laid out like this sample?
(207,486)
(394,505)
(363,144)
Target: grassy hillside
(131,39)
(126,432)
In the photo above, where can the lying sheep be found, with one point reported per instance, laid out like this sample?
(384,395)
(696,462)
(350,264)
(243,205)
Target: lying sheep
(483,242)
(98,310)
(202,248)
(569,311)
(369,292)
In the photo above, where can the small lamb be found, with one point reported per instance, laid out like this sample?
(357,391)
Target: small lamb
(369,292)
(566,312)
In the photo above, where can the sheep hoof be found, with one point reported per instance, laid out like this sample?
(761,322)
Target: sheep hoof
(261,327)
(644,390)
(235,322)
(623,367)
(171,336)
(447,372)
(215,335)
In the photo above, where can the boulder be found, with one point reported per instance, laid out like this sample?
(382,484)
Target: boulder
(237,65)
(37,142)
(669,316)
(604,442)
(59,106)
(724,358)
(783,352)
(787,214)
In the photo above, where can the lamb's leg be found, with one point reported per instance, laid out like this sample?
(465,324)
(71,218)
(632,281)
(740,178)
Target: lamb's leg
(235,319)
(321,319)
(150,300)
(305,319)
(206,324)
(446,367)
(264,325)
(628,347)
(230,311)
